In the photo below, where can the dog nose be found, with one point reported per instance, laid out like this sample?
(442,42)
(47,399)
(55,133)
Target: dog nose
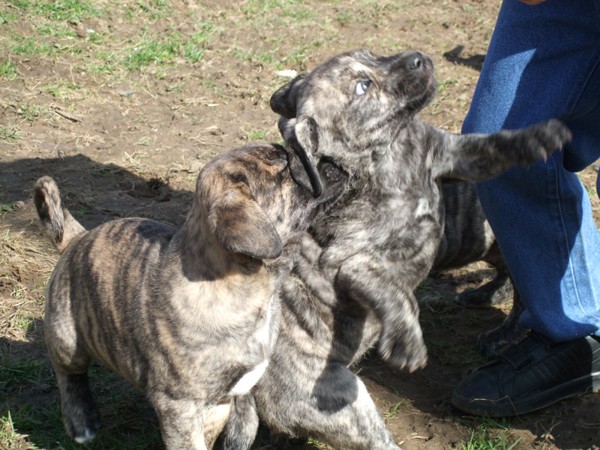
(416,61)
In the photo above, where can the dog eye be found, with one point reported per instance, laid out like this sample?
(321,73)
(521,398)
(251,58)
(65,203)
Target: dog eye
(361,87)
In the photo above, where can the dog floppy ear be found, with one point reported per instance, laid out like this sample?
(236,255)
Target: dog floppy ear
(284,101)
(240,225)
(302,136)
(307,133)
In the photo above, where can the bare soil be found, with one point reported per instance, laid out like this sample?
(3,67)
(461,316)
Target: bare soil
(125,140)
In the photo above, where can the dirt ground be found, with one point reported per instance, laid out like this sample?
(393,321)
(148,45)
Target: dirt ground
(123,102)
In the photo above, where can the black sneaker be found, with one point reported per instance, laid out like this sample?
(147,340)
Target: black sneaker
(530,375)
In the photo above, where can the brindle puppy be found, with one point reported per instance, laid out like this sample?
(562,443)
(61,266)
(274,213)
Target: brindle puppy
(189,316)
(467,238)
(353,284)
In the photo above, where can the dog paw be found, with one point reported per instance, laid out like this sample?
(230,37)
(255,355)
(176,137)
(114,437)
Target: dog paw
(403,349)
(85,437)
(484,296)
(545,138)
(82,421)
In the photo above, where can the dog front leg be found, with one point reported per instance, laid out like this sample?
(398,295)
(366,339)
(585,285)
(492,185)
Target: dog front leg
(342,413)
(241,428)
(368,281)
(478,157)
(181,422)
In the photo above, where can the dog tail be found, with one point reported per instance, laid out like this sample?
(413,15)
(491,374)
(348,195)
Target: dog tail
(60,226)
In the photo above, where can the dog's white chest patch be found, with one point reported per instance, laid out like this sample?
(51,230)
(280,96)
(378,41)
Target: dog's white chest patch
(249,379)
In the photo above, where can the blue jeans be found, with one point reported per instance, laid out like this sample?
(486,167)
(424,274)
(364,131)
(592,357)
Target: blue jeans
(544,62)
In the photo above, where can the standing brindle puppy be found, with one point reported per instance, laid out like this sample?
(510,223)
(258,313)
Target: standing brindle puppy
(187,315)
(353,283)
(468,237)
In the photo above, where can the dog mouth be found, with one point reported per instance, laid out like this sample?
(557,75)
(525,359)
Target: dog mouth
(416,78)
(419,101)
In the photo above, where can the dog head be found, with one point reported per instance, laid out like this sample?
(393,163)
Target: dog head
(257,198)
(353,97)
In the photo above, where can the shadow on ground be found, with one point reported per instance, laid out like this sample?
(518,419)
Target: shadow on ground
(474,62)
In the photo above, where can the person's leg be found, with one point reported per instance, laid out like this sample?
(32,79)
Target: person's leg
(543,62)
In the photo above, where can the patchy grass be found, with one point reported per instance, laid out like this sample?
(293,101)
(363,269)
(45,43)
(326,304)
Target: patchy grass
(8,71)
(20,373)
(9,134)
(491,435)
(31,112)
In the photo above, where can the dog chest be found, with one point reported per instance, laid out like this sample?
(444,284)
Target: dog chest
(259,347)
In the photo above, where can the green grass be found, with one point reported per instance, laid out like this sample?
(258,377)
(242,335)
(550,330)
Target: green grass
(257,135)
(7,207)
(55,24)
(7,70)
(8,435)
(9,134)
(153,9)
(164,51)
(394,409)
(51,29)
(27,372)
(32,46)
(31,112)
(57,10)
(252,7)
(7,17)
(193,49)
(149,52)
(62,90)
(490,435)
(44,429)
(161,51)
(127,419)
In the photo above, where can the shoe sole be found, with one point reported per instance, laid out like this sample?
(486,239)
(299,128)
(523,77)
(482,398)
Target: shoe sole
(506,408)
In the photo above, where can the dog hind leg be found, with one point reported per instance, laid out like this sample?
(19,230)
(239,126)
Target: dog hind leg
(334,407)
(510,331)
(80,413)
(496,291)
(346,423)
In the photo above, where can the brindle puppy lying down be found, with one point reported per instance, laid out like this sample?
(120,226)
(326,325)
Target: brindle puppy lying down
(187,315)
(352,286)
